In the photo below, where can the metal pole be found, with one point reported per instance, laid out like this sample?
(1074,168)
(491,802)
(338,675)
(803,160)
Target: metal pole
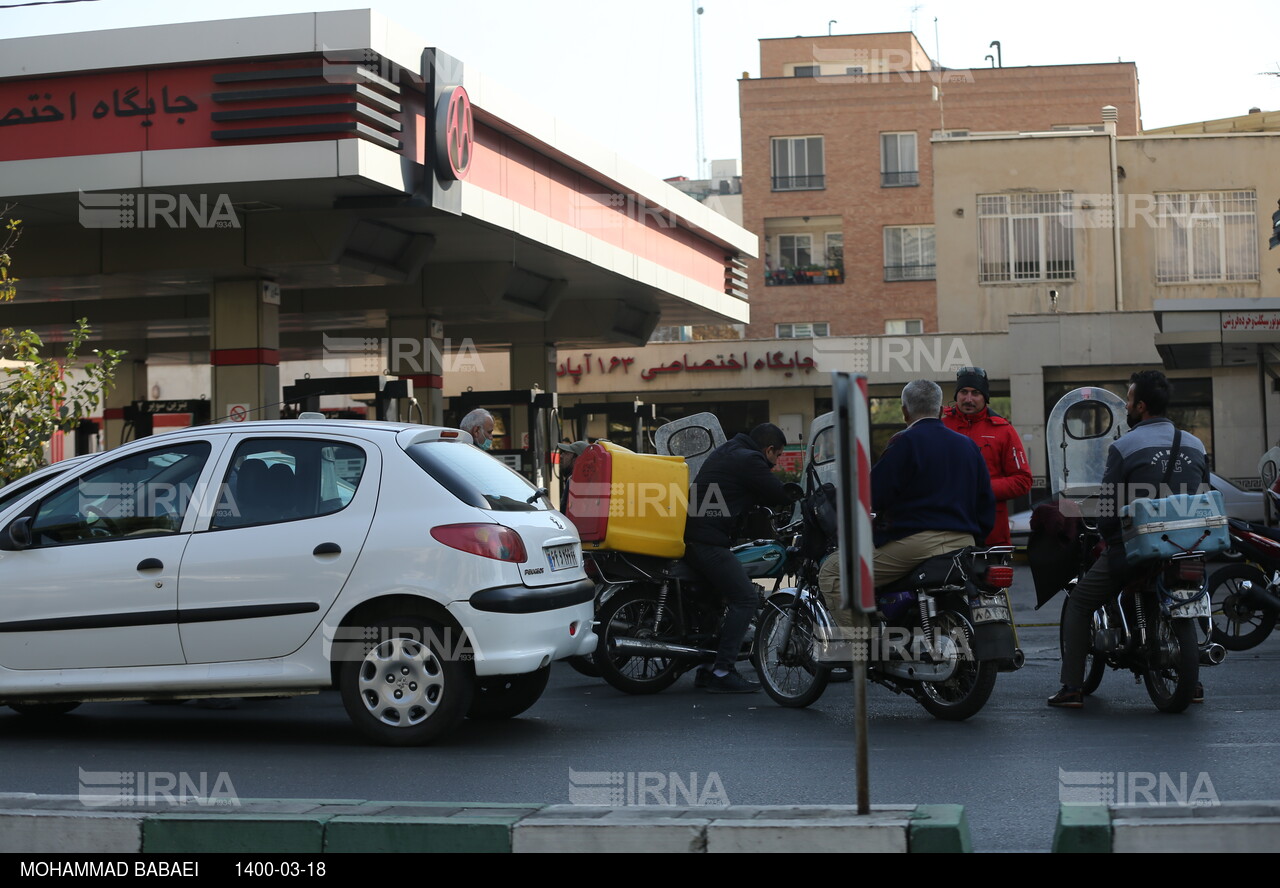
(861,622)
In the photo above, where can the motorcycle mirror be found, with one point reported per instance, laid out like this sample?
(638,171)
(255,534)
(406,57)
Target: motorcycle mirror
(794,491)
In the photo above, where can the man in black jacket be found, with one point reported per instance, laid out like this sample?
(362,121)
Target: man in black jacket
(1137,465)
(737,476)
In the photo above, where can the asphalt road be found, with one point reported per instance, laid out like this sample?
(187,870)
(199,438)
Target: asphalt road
(1006,765)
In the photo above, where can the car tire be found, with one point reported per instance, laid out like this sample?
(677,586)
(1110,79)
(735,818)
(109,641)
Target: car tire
(506,696)
(406,690)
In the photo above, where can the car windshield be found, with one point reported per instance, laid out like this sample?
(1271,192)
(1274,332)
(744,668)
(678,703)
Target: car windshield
(476,478)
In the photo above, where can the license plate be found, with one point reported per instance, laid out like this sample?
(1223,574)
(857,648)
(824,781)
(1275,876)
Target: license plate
(562,557)
(991,615)
(1197,608)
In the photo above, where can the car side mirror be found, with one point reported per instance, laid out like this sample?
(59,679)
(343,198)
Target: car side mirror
(17,536)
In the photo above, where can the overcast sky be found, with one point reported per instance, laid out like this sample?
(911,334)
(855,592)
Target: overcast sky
(623,72)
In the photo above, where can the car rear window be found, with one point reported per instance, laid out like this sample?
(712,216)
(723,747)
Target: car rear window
(476,478)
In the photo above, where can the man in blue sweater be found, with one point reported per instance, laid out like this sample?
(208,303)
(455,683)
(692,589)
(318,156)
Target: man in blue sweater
(931,490)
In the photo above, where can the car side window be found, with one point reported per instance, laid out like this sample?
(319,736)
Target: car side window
(271,480)
(142,494)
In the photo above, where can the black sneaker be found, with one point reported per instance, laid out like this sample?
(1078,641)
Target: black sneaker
(731,683)
(701,676)
(1068,698)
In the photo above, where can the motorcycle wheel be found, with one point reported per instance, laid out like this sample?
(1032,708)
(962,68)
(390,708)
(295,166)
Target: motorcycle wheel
(1094,664)
(791,677)
(634,615)
(584,666)
(1238,624)
(969,688)
(1172,684)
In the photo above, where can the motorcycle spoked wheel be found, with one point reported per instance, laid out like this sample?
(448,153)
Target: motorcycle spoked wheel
(634,614)
(968,689)
(1238,624)
(792,677)
(1171,681)
(1095,665)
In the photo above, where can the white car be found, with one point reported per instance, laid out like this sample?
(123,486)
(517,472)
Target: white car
(419,575)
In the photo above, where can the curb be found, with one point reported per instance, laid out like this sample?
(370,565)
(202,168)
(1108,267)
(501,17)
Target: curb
(1228,826)
(64,825)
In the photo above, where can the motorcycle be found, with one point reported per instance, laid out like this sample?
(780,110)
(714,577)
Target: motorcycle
(940,634)
(1152,627)
(1245,596)
(657,618)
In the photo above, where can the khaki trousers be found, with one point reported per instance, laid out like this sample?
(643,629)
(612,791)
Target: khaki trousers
(890,562)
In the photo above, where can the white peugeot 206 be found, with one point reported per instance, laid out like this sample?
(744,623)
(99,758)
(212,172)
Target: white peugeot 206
(418,574)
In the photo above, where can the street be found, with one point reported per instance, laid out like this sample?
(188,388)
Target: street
(1005,765)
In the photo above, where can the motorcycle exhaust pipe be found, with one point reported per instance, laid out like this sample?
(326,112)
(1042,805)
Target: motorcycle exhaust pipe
(639,647)
(1212,654)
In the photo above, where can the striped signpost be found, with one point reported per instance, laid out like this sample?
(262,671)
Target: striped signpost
(857,583)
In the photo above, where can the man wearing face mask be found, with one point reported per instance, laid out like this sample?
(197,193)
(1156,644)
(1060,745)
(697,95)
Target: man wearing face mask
(1137,464)
(479,423)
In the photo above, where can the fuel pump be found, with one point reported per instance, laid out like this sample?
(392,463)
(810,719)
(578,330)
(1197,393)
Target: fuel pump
(384,391)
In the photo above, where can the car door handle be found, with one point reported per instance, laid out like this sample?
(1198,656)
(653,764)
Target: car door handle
(327,549)
(151,564)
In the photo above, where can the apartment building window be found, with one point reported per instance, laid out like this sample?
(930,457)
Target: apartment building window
(800,331)
(795,250)
(904,327)
(1025,237)
(908,253)
(898,164)
(835,249)
(1206,237)
(808,70)
(798,163)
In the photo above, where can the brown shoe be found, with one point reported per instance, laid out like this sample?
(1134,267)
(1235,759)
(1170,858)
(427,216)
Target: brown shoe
(1068,698)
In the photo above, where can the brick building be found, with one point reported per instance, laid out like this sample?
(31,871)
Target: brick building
(838,169)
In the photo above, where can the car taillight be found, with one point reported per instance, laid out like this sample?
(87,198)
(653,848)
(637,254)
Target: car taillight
(486,540)
(1000,576)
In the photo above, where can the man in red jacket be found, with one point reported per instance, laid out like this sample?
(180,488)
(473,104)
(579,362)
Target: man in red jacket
(996,438)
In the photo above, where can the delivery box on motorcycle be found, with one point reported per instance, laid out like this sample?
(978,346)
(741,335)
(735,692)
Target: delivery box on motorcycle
(1172,525)
(629,502)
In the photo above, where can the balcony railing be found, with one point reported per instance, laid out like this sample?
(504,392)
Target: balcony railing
(799,183)
(893,180)
(910,272)
(788,277)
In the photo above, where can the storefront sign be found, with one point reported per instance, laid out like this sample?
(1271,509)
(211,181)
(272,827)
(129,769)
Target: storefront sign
(780,361)
(1251,320)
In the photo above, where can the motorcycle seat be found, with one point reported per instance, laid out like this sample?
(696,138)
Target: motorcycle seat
(1271,533)
(935,571)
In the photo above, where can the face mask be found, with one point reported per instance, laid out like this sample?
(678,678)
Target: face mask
(487,444)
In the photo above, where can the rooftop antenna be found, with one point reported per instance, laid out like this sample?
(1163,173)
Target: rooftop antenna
(914,10)
(937,45)
(697,87)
